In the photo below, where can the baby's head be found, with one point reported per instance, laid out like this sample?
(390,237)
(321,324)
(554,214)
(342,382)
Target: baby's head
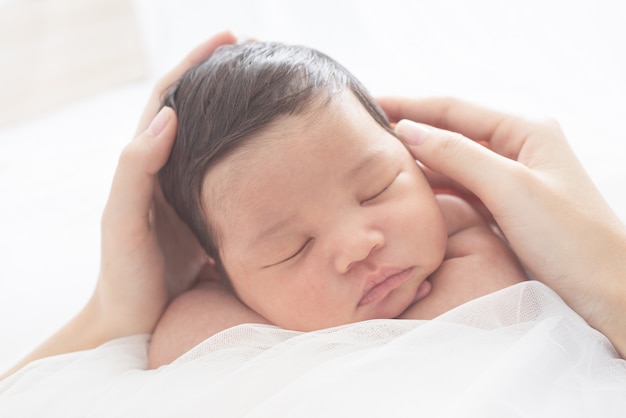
(285,169)
(236,93)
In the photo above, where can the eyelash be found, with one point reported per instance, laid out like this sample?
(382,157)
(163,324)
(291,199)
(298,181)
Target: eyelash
(297,252)
(380,192)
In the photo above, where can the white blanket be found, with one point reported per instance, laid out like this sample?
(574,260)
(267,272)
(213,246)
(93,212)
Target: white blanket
(518,352)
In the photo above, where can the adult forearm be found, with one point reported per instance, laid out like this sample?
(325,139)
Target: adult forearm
(607,292)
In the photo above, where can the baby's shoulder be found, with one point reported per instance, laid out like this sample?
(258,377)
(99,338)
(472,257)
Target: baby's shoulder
(195,315)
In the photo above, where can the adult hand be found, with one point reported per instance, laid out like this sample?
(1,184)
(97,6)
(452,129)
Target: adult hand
(148,254)
(183,257)
(538,193)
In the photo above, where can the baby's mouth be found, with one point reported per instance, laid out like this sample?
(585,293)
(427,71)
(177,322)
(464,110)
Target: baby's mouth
(383,284)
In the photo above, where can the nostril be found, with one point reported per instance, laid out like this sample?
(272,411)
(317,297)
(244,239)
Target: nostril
(357,250)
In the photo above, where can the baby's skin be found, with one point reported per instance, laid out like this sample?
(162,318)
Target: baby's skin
(476,262)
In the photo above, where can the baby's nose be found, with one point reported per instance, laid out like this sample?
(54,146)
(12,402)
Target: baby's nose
(355,247)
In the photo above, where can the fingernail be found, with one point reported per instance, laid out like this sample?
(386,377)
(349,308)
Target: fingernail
(158,123)
(412,133)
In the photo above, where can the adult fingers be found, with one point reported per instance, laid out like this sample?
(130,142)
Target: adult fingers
(446,113)
(134,181)
(486,174)
(197,55)
(503,133)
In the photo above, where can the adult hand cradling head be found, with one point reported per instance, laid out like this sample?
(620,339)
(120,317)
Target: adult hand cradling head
(148,255)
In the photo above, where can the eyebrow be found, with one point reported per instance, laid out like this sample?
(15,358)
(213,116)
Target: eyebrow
(364,163)
(271,229)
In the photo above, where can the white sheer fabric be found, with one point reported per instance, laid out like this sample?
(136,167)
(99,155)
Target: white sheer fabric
(518,352)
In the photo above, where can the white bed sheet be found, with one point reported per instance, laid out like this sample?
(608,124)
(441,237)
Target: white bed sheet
(520,352)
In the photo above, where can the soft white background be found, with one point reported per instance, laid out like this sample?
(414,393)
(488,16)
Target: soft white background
(561,59)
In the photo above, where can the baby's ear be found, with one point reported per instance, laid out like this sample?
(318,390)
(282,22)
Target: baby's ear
(209,272)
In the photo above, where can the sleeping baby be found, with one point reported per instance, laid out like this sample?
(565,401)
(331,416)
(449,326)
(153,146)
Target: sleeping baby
(311,212)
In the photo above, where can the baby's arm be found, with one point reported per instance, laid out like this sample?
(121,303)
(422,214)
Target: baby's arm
(477,262)
(207,309)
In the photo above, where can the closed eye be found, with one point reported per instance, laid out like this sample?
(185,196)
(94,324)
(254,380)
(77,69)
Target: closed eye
(294,255)
(377,194)
(383,190)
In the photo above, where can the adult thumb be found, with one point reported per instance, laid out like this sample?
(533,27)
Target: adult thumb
(470,164)
(133,186)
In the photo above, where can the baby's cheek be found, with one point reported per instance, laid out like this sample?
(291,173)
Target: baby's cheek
(430,232)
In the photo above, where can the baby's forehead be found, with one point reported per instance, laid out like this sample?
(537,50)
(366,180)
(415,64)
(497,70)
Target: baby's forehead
(257,150)
(317,137)
(279,134)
